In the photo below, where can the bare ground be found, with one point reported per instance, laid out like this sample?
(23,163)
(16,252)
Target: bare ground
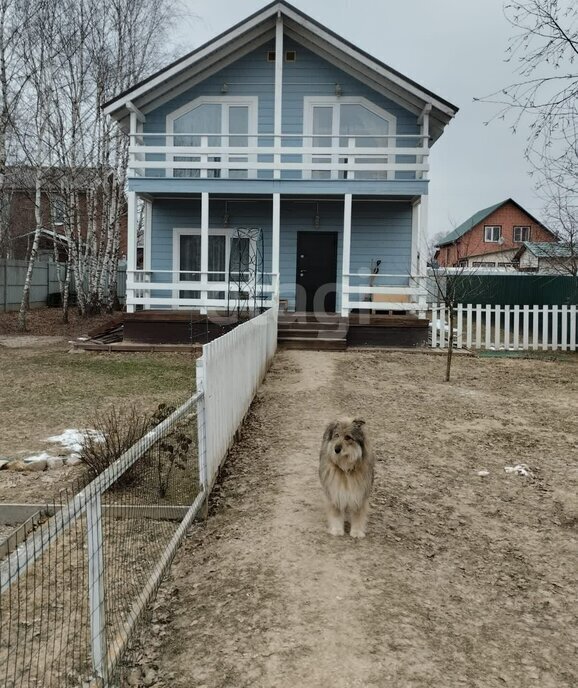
(462,581)
(45,390)
(48,322)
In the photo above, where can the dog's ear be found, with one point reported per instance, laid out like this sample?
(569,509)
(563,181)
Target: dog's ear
(329,430)
(358,421)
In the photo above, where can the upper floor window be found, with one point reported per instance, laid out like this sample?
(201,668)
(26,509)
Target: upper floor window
(218,122)
(341,122)
(521,234)
(492,234)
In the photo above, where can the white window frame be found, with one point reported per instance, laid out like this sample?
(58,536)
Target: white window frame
(310,102)
(492,227)
(178,232)
(252,102)
(521,227)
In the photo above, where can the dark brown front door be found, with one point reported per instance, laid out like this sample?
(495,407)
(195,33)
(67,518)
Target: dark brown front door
(316,271)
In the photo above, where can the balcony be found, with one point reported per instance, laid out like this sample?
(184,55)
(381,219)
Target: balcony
(287,157)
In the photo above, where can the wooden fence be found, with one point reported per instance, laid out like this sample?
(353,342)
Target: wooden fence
(508,328)
(44,282)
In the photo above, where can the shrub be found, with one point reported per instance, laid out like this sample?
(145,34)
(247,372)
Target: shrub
(116,430)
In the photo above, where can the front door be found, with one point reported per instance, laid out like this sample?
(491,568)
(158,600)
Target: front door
(316,271)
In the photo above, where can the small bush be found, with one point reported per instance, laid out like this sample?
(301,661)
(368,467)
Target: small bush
(115,431)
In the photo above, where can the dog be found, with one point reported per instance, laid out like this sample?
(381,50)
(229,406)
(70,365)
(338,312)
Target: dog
(346,468)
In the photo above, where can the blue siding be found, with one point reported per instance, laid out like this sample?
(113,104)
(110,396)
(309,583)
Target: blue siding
(380,231)
(251,75)
(318,187)
(309,75)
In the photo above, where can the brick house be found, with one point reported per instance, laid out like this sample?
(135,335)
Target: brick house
(19,200)
(491,237)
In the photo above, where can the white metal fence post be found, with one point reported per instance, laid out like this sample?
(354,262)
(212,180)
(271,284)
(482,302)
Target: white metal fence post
(96,605)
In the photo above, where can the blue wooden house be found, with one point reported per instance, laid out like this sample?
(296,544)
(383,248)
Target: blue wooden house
(280,160)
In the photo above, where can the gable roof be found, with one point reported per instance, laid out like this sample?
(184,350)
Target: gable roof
(548,249)
(480,216)
(260,27)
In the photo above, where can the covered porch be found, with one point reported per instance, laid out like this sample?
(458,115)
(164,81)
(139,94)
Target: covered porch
(324,253)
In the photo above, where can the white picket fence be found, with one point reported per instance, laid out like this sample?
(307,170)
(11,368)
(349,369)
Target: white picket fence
(229,373)
(508,328)
(228,376)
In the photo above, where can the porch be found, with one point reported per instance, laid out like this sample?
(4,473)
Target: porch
(316,253)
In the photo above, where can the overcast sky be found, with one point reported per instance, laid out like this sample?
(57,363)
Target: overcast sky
(455,48)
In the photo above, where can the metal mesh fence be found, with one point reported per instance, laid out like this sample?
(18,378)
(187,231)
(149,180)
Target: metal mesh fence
(73,590)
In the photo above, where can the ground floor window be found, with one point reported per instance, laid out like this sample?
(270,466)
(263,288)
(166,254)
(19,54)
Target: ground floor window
(228,260)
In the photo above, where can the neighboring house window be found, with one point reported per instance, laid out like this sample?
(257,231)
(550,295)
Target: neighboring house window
(57,210)
(505,265)
(521,234)
(218,122)
(463,263)
(348,122)
(492,234)
(482,264)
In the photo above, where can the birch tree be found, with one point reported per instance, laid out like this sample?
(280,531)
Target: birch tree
(92,51)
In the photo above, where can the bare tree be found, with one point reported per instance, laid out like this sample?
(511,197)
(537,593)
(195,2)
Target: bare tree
(545,49)
(450,285)
(80,53)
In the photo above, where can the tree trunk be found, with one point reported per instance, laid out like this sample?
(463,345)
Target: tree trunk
(25,303)
(450,343)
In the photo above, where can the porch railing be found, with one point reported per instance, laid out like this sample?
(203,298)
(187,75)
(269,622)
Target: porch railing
(288,156)
(203,290)
(384,292)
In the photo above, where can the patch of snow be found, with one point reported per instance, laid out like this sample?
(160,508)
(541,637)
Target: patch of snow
(44,456)
(483,473)
(73,439)
(519,469)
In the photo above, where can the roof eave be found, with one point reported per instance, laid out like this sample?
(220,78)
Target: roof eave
(442,110)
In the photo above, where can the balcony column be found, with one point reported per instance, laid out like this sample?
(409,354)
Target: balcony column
(346,258)
(278,118)
(204,248)
(276,244)
(131,242)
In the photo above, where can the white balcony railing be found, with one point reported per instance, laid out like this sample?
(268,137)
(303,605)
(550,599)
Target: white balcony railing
(198,290)
(288,156)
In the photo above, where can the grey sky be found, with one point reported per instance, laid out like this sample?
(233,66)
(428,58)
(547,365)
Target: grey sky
(455,48)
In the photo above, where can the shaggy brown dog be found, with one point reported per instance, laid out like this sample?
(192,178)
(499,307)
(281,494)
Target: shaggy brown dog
(346,464)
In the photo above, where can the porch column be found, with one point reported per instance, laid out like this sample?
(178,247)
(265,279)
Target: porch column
(278,118)
(276,246)
(131,241)
(422,248)
(415,238)
(204,248)
(147,244)
(346,258)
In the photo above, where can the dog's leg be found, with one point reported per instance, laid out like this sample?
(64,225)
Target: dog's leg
(359,521)
(336,520)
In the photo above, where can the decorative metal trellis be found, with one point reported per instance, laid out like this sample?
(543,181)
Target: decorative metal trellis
(245,294)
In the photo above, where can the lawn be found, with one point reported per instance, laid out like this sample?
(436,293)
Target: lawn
(45,390)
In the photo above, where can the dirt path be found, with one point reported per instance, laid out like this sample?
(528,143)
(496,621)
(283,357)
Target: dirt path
(462,580)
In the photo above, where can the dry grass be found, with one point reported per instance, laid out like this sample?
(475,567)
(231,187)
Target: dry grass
(48,321)
(45,391)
